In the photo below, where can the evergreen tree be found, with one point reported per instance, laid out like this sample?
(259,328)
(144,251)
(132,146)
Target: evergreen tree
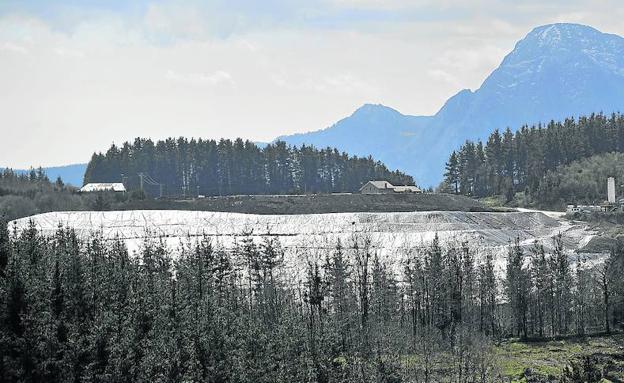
(5,247)
(532,160)
(182,167)
(517,288)
(562,274)
(84,309)
(487,296)
(451,176)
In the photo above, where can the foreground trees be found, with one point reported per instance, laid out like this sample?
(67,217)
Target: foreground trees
(86,310)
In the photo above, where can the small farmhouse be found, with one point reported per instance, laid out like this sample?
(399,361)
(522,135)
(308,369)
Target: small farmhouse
(100,187)
(385,187)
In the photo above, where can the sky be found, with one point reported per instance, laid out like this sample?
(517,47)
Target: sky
(78,75)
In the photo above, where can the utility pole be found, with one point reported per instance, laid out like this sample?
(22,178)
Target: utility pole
(123,182)
(141,180)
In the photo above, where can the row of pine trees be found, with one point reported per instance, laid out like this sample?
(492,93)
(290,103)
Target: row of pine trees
(517,162)
(27,193)
(77,310)
(206,167)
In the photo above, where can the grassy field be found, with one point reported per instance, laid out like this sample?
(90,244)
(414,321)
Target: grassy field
(545,361)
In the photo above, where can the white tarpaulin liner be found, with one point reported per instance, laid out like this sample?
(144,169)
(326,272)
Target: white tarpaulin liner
(391,234)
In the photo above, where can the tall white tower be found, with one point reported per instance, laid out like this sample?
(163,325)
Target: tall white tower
(611,189)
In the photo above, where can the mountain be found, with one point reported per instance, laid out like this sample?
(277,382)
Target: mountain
(375,130)
(556,71)
(70,174)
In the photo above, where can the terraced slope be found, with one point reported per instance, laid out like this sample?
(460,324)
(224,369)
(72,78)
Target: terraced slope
(392,235)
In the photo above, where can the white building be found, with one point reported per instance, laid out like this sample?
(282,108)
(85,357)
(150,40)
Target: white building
(571,209)
(385,187)
(611,190)
(100,187)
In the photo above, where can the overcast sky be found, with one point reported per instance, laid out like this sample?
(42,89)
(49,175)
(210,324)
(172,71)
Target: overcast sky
(77,75)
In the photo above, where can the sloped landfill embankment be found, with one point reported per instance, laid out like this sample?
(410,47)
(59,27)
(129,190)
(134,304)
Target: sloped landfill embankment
(392,235)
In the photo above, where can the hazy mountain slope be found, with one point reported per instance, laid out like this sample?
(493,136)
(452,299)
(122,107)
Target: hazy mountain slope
(70,174)
(371,128)
(556,71)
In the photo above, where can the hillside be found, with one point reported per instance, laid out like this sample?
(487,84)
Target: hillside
(556,71)
(70,174)
(531,160)
(180,167)
(318,203)
(25,195)
(581,182)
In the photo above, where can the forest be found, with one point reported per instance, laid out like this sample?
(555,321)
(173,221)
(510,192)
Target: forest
(25,194)
(30,193)
(86,310)
(581,181)
(528,161)
(206,167)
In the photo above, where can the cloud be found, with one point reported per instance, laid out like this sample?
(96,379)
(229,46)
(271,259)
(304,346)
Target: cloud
(74,53)
(10,47)
(77,75)
(444,76)
(394,5)
(191,20)
(215,78)
(177,21)
(343,83)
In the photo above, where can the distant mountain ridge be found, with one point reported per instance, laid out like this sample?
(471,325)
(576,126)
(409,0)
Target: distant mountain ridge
(70,174)
(556,71)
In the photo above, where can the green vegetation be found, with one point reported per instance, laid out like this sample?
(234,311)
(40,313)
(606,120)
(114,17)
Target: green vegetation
(207,167)
(582,182)
(533,161)
(548,360)
(24,195)
(74,310)
(27,194)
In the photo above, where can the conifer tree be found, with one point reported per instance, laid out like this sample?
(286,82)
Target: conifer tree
(517,288)
(182,167)
(487,296)
(531,160)
(451,176)
(5,247)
